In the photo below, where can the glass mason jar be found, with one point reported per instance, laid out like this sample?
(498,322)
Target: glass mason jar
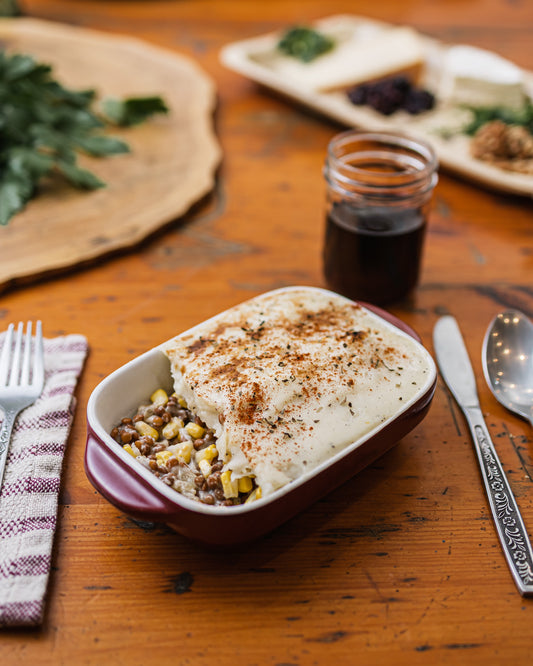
(379,187)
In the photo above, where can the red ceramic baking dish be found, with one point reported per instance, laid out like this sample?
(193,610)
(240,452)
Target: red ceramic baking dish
(134,490)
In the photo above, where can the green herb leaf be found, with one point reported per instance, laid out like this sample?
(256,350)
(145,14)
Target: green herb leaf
(9,8)
(304,43)
(100,146)
(133,110)
(29,163)
(10,201)
(486,114)
(78,177)
(19,66)
(14,194)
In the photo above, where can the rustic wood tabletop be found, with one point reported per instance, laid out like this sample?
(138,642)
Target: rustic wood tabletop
(402,564)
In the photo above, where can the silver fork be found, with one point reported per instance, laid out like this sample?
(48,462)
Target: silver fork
(21,379)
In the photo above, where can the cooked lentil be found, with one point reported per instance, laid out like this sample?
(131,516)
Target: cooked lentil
(174,444)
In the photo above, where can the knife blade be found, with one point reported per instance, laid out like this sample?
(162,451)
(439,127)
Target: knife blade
(456,370)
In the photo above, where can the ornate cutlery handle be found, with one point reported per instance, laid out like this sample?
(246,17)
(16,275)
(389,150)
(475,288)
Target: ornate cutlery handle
(505,512)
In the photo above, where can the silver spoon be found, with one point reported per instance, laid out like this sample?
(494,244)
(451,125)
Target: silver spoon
(508,361)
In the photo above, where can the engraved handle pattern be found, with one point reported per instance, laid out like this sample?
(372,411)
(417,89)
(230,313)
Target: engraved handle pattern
(5,437)
(506,514)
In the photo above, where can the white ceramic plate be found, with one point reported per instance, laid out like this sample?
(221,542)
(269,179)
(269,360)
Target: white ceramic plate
(256,59)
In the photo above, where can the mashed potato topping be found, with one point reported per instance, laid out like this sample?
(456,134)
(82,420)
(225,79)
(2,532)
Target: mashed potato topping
(288,379)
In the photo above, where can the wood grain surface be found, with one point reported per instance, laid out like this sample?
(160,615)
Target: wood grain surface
(400,566)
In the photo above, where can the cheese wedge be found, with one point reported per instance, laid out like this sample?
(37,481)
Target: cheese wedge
(476,77)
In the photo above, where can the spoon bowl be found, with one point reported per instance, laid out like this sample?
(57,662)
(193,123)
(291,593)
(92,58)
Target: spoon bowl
(508,361)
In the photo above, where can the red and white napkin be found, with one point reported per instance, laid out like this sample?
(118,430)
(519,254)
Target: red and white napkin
(29,493)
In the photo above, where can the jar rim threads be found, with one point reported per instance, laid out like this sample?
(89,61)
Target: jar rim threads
(380,164)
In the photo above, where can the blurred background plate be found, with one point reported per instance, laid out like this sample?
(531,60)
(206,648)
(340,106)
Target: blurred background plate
(256,59)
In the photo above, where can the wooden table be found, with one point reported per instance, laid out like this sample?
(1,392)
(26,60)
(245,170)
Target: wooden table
(399,566)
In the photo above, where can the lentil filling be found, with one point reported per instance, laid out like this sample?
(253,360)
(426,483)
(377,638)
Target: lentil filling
(176,446)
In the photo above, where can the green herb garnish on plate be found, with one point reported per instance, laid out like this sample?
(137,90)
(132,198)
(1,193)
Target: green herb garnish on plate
(305,43)
(44,126)
(486,114)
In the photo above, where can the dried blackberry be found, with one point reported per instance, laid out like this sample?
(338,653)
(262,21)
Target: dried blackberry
(358,94)
(392,94)
(418,101)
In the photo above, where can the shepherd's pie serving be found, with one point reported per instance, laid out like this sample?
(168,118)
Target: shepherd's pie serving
(270,389)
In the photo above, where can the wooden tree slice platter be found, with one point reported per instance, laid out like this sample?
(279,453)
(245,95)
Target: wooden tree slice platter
(171,165)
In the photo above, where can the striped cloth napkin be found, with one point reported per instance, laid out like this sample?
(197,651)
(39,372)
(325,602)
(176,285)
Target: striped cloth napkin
(29,494)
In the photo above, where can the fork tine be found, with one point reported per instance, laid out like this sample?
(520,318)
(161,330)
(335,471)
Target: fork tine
(25,374)
(15,366)
(6,354)
(38,364)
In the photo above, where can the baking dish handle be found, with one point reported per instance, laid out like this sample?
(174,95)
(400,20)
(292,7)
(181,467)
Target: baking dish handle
(121,486)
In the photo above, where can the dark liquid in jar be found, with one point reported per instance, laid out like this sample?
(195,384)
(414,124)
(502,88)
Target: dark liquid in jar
(373,254)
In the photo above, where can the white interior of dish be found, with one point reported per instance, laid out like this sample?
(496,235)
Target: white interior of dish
(120,394)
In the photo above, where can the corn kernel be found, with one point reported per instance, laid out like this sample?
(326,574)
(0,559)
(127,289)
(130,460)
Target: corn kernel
(172,428)
(182,402)
(162,457)
(254,495)
(182,451)
(159,397)
(195,431)
(245,484)
(230,488)
(128,448)
(185,452)
(208,453)
(205,466)
(146,430)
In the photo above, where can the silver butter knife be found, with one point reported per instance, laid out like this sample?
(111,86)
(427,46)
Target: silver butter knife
(456,369)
